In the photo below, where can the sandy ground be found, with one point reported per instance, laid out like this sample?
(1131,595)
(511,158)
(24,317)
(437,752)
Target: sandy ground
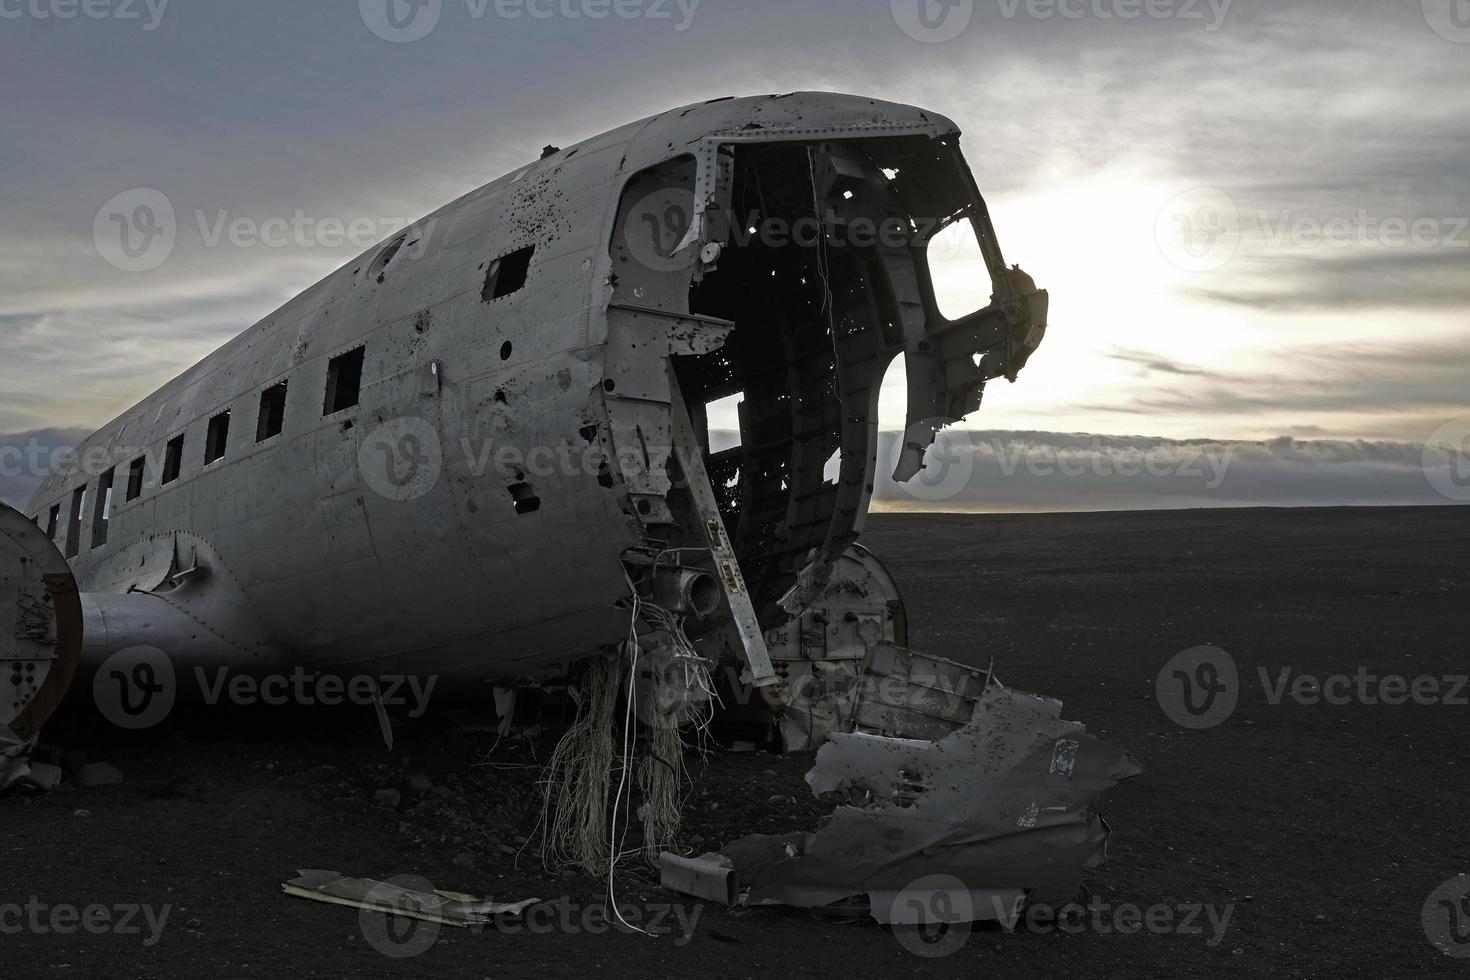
(1322,830)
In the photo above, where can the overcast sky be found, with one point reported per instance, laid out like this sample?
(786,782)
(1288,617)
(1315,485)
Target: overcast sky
(1251,215)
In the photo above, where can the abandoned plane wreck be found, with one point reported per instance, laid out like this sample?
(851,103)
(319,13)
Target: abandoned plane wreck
(481,453)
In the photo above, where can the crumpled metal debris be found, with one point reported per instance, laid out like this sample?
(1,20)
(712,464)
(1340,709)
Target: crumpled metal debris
(1004,806)
(445,908)
(820,654)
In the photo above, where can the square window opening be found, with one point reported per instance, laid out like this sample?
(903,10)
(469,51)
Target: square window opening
(102,508)
(135,478)
(173,458)
(507,274)
(344,381)
(74,523)
(272,413)
(216,438)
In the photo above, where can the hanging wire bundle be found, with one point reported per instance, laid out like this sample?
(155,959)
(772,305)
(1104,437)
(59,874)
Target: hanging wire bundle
(592,777)
(575,781)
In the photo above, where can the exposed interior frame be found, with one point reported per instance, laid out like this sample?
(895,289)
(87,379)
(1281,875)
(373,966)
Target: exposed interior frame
(795,273)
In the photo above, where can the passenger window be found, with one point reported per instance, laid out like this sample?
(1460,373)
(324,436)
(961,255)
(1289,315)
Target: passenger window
(173,458)
(344,381)
(74,523)
(272,418)
(135,478)
(216,438)
(102,509)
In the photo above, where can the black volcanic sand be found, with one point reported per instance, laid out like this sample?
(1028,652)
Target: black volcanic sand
(1325,827)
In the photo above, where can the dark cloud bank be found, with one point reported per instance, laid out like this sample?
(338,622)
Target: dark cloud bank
(1000,471)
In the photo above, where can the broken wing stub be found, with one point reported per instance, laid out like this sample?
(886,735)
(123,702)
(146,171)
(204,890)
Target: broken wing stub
(1005,804)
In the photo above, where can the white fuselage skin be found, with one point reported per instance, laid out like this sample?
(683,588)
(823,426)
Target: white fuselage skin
(454,578)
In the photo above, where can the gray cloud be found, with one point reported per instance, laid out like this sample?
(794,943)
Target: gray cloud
(1424,378)
(1369,281)
(1046,472)
(1318,107)
(1000,471)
